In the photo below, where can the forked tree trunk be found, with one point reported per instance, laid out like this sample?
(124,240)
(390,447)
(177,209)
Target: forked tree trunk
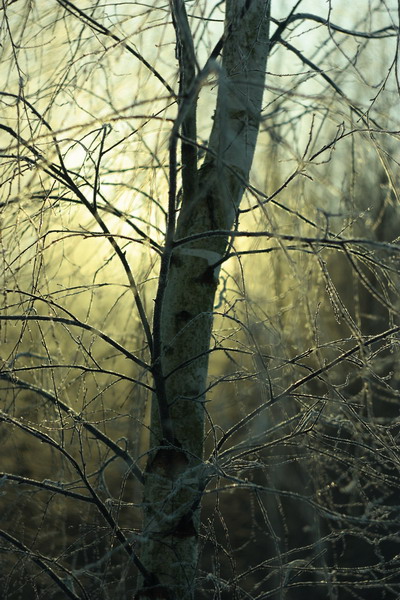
(175,473)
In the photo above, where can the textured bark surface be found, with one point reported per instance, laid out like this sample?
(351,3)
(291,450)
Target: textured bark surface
(175,473)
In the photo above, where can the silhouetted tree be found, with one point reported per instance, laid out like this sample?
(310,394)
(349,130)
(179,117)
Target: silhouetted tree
(117,190)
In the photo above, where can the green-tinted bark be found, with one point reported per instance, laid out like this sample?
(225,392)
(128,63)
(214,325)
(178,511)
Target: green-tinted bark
(175,473)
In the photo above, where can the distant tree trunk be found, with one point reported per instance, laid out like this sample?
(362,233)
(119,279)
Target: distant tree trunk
(175,473)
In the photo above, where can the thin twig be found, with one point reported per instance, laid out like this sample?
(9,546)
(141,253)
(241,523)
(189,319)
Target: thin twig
(42,563)
(307,378)
(78,418)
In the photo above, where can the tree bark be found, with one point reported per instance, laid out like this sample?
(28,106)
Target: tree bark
(175,474)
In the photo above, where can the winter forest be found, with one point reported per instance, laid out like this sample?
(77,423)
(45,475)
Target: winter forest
(199,316)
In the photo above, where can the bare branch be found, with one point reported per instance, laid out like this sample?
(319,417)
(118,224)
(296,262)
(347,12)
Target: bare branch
(77,323)
(384,32)
(100,28)
(56,488)
(78,418)
(306,379)
(43,563)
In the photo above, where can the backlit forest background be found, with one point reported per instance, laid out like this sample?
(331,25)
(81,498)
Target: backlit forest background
(302,432)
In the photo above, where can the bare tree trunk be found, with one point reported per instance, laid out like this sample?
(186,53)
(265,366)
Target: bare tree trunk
(175,474)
